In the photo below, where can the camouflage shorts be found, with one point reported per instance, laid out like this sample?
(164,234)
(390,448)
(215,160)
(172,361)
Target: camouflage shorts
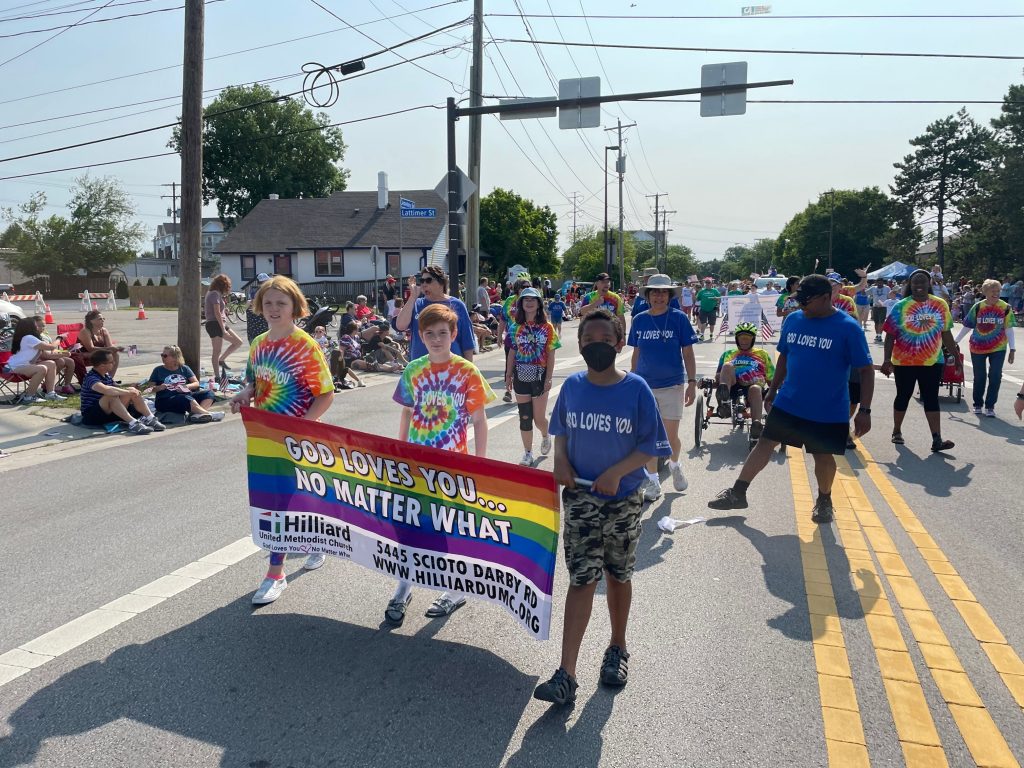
(600,534)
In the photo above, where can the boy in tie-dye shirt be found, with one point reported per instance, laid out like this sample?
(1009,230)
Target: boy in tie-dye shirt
(441,394)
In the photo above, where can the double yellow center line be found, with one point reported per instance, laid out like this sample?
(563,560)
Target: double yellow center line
(876,569)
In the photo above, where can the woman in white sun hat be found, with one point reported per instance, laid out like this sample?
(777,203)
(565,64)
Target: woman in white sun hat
(662,339)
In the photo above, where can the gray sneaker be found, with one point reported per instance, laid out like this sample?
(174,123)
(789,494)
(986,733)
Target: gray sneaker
(269,591)
(652,491)
(138,427)
(153,423)
(545,445)
(678,478)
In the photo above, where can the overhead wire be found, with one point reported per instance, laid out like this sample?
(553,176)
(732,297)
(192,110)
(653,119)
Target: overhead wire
(65,27)
(56,12)
(771,17)
(54,36)
(219,56)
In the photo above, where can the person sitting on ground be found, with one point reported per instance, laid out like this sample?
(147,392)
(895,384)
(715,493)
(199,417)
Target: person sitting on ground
(362,311)
(352,351)
(744,370)
(103,402)
(484,336)
(179,391)
(25,360)
(95,337)
(320,337)
(60,357)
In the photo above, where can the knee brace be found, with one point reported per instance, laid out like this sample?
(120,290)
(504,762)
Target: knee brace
(526,416)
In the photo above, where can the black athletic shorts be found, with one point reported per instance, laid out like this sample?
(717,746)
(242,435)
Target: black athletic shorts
(534,388)
(213,329)
(812,436)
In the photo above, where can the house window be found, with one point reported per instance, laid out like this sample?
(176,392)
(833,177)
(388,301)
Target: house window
(330,263)
(248,267)
(283,264)
(394,264)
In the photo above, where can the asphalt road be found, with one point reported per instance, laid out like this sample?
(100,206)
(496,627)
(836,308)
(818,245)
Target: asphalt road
(737,653)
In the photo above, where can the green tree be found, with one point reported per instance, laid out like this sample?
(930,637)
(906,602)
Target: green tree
(943,171)
(868,227)
(585,258)
(514,230)
(98,234)
(256,143)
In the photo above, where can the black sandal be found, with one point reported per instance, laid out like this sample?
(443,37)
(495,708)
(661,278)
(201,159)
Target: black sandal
(939,445)
(897,438)
(394,614)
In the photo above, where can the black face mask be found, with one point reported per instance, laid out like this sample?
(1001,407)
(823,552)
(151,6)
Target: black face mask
(598,355)
(804,297)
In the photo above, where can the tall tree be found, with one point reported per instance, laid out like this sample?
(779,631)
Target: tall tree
(868,227)
(256,143)
(585,258)
(943,171)
(98,234)
(514,230)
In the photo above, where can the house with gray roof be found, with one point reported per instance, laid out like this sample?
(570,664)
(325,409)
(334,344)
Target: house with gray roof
(327,244)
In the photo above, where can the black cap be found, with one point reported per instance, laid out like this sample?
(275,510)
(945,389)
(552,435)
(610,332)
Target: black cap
(815,285)
(602,276)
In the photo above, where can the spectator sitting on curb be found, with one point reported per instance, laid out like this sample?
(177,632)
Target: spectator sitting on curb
(179,391)
(95,337)
(104,402)
(25,361)
(60,357)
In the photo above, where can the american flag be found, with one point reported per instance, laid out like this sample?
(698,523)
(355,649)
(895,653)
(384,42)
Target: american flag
(767,331)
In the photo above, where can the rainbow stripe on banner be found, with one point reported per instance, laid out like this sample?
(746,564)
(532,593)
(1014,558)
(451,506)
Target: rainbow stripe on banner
(442,520)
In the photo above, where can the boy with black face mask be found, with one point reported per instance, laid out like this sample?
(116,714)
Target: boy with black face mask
(606,427)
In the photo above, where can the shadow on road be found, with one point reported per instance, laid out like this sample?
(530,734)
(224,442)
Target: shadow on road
(936,473)
(552,741)
(292,690)
(784,578)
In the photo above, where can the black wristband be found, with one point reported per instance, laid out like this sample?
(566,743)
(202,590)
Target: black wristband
(865,410)
(1020,395)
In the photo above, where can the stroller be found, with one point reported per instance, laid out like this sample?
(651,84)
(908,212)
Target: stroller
(321,316)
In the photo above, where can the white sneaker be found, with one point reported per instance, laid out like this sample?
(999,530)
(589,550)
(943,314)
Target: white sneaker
(527,460)
(53,397)
(30,398)
(153,423)
(217,415)
(990,412)
(652,491)
(678,478)
(977,410)
(545,445)
(314,561)
(269,590)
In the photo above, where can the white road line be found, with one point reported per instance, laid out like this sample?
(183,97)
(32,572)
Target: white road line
(66,637)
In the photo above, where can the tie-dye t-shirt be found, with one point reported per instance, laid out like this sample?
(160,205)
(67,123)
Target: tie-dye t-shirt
(287,374)
(443,398)
(991,323)
(752,367)
(533,342)
(611,301)
(916,327)
(844,303)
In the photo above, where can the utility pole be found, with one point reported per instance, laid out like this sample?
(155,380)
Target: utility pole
(831,221)
(191,184)
(575,197)
(620,167)
(476,79)
(607,246)
(664,238)
(174,215)
(656,196)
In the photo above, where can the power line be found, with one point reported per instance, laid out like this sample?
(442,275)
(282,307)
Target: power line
(769,17)
(219,56)
(54,12)
(625,46)
(66,27)
(178,122)
(256,138)
(55,35)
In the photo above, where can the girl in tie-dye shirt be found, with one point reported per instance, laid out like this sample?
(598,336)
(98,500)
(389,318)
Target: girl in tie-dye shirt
(529,367)
(288,374)
(990,323)
(441,394)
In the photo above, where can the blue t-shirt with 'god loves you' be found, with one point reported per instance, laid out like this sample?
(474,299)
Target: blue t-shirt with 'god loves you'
(605,424)
(660,339)
(820,353)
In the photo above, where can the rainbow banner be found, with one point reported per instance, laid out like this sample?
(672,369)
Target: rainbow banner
(441,520)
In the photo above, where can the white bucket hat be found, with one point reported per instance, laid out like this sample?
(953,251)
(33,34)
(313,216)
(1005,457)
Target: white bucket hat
(661,281)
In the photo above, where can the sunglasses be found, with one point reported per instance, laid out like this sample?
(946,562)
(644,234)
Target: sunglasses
(425,279)
(166,354)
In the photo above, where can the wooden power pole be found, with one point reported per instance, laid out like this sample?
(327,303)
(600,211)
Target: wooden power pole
(191,185)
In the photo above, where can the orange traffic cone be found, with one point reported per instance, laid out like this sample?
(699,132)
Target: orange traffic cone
(94,306)
(142,312)
(49,316)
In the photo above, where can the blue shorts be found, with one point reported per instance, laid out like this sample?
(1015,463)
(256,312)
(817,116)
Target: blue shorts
(179,402)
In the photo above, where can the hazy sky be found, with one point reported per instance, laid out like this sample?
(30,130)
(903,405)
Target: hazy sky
(729,180)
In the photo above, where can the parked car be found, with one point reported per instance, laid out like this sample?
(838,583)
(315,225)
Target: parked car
(10,314)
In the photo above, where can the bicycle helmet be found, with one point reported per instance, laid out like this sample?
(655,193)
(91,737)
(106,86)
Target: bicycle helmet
(745,328)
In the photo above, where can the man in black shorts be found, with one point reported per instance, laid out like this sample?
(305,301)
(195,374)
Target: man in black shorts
(808,401)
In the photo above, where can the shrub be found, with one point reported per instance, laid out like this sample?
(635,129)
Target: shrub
(163,280)
(121,290)
(149,281)
(137,282)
